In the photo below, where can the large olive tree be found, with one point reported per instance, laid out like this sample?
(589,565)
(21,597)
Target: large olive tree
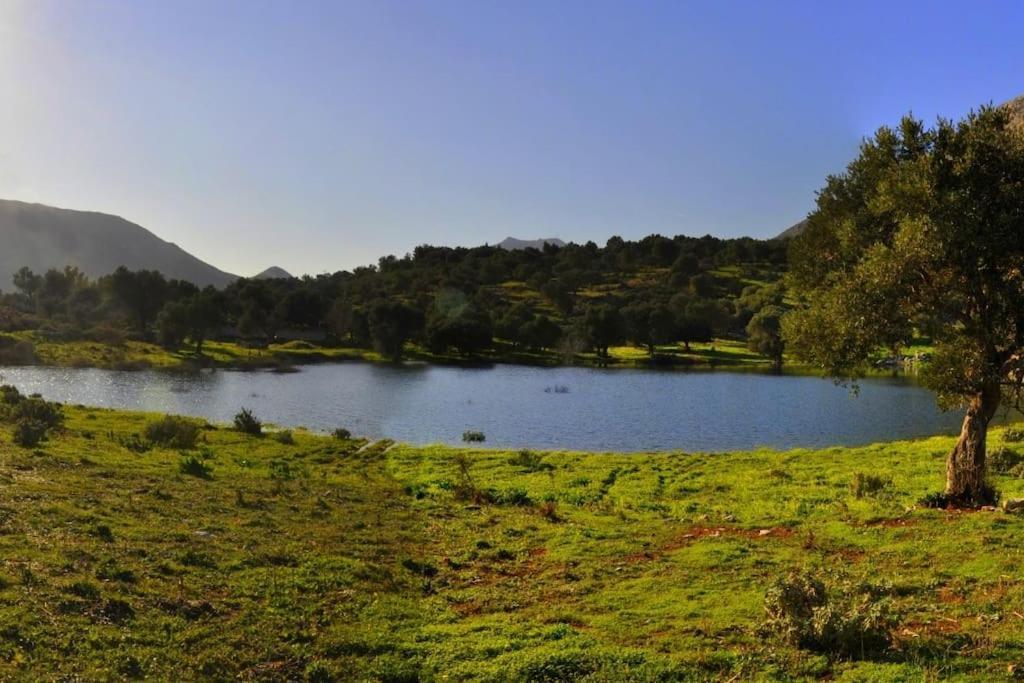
(925,224)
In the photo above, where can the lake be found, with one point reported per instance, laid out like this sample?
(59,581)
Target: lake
(517,406)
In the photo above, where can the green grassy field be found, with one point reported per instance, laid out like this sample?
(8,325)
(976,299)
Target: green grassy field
(328,559)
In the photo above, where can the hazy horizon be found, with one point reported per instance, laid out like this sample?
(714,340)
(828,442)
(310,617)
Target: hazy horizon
(322,136)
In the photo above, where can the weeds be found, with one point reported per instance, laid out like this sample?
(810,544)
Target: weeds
(247,423)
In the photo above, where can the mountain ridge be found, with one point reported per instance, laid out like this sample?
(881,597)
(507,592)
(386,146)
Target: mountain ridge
(41,237)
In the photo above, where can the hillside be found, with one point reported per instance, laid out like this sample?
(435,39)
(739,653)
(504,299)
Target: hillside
(43,237)
(792,231)
(512,243)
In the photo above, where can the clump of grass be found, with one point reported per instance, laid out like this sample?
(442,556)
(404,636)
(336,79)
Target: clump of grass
(33,418)
(1013,434)
(247,423)
(849,622)
(1002,460)
(171,431)
(868,484)
(285,437)
(530,461)
(471,436)
(193,466)
(342,434)
(549,511)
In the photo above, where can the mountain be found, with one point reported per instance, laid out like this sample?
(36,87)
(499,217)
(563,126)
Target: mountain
(274,273)
(43,237)
(512,243)
(792,231)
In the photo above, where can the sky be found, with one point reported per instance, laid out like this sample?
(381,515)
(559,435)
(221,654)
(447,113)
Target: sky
(322,135)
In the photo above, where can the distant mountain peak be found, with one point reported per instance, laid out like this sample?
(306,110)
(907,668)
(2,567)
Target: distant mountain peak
(274,273)
(792,231)
(513,243)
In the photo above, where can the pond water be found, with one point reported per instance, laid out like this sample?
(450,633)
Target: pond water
(525,407)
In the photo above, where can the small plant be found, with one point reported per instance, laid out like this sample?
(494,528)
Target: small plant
(470,436)
(936,500)
(848,622)
(285,437)
(868,484)
(193,466)
(530,461)
(549,511)
(247,423)
(1002,460)
(342,434)
(171,431)
(1013,434)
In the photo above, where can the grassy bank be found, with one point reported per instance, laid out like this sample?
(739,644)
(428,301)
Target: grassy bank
(131,355)
(331,559)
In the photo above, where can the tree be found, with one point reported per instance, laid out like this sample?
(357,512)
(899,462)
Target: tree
(391,324)
(603,326)
(649,324)
(204,314)
(142,293)
(541,333)
(764,334)
(172,324)
(924,223)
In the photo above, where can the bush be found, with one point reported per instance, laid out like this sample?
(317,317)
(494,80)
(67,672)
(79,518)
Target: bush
(247,423)
(14,351)
(285,437)
(195,467)
(1002,460)
(342,434)
(29,433)
(849,622)
(1013,434)
(530,461)
(172,432)
(470,436)
(868,484)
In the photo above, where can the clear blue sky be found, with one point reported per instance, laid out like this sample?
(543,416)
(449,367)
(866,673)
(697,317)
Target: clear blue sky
(318,136)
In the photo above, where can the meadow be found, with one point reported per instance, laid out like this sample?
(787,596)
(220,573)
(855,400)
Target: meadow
(297,556)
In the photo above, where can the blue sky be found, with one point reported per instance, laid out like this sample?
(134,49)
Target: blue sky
(319,136)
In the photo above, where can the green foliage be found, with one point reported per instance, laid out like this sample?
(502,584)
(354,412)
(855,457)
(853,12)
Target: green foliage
(1002,460)
(1013,435)
(868,484)
(172,432)
(530,461)
(247,423)
(843,621)
(341,434)
(285,437)
(764,334)
(471,436)
(193,466)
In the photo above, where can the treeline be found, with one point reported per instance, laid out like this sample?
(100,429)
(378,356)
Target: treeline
(649,292)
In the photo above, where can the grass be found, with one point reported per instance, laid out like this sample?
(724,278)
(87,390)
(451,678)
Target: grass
(333,559)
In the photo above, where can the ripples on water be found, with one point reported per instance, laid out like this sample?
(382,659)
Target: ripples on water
(516,406)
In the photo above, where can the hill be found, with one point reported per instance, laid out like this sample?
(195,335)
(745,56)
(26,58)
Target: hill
(792,231)
(513,243)
(274,273)
(43,237)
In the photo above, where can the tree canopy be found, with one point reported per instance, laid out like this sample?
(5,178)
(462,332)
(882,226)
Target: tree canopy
(927,223)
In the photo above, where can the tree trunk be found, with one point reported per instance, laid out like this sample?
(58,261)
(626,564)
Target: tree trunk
(966,485)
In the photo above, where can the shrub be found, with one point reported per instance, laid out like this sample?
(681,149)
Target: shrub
(14,351)
(1013,434)
(342,434)
(9,395)
(937,500)
(195,467)
(868,484)
(513,496)
(48,415)
(1002,460)
(247,423)
(29,433)
(172,432)
(848,622)
(549,511)
(530,461)
(471,436)
(285,436)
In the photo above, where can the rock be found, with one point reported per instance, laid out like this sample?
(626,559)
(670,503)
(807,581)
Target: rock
(764,532)
(1013,505)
